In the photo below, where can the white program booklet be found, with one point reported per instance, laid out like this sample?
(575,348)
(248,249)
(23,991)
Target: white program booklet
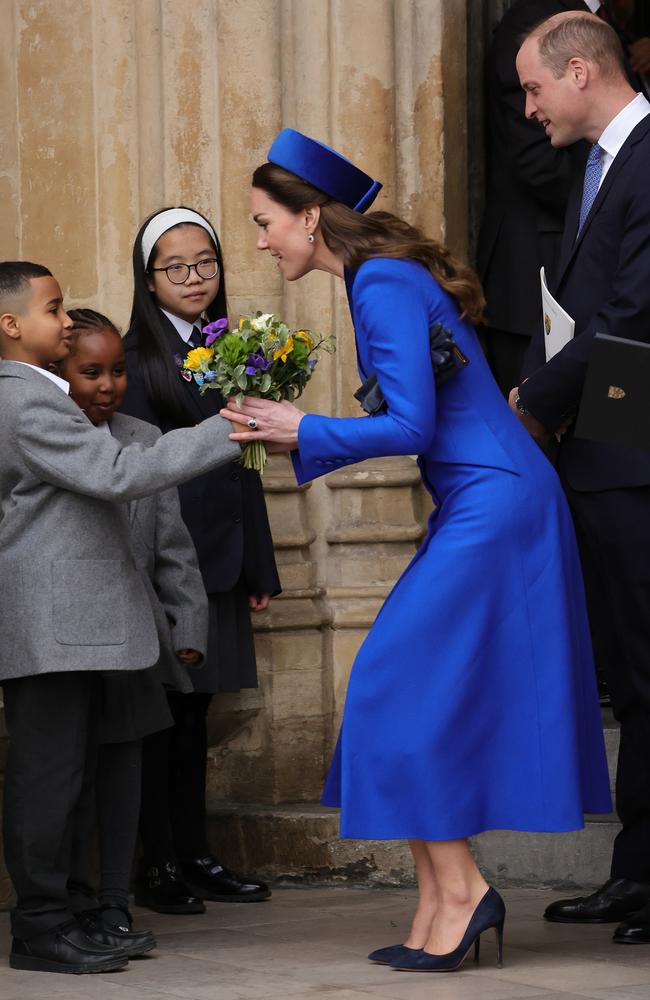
(558,325)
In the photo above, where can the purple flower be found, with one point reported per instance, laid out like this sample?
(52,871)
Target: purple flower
(214,330)
(312,362)
(257,362)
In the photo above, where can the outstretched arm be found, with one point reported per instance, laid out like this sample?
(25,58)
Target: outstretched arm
(60,446)
(392,327)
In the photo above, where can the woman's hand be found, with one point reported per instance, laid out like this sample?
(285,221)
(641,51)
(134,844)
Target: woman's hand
(275,423)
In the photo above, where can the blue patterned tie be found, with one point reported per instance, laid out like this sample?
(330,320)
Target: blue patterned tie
(593,171)
(196,339)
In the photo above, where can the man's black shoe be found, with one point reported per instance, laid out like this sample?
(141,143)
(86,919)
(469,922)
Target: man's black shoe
(636,929)
(212,881)
(159,888)
(65,949)
(133,943)
(618,899)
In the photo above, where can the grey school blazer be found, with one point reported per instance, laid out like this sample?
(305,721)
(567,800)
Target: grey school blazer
(164,551)
(73,595)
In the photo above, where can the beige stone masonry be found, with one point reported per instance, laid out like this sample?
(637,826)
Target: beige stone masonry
(114,108)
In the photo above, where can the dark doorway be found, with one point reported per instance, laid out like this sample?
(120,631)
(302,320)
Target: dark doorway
(482,16)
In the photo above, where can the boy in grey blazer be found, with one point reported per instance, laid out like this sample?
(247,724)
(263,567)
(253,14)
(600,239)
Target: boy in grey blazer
(75,603)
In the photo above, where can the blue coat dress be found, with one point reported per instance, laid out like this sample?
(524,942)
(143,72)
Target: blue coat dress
(472,703)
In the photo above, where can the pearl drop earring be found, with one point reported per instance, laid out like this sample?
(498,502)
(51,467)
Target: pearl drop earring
(310,238)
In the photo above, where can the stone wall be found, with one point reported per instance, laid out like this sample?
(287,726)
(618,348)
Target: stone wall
(112,109)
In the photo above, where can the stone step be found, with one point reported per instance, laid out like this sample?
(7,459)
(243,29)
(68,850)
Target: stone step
(299,842)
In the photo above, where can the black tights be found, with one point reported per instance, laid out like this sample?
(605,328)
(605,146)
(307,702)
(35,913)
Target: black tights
(172,815)
(119,768)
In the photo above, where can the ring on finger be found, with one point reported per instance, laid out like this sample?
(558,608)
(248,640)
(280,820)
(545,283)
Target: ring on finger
(252,423)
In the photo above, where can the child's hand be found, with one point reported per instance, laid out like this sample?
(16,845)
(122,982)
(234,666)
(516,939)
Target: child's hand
(189,657)
(258,602)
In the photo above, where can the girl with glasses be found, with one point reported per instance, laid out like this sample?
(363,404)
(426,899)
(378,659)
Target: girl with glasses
(179,286)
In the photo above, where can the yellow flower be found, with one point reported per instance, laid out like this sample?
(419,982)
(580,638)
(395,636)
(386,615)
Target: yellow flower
(284,352)
(305,335)
(195,358)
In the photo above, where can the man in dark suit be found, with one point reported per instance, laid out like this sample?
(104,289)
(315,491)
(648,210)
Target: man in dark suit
(529,182)
(573,73)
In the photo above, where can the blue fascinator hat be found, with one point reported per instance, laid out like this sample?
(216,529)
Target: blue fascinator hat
(324,168)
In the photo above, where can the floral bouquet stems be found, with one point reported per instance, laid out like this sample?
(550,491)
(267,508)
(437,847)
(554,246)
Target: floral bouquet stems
(262,357)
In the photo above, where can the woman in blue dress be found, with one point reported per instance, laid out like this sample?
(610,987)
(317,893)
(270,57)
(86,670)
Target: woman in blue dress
(472,703)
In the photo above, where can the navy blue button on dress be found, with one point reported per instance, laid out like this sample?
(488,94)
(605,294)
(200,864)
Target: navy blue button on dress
(472,703)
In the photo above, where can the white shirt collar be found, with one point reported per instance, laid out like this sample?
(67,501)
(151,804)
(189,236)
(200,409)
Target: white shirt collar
(593,5)
(620,128)
(61,382)
(182,327)
(104,426)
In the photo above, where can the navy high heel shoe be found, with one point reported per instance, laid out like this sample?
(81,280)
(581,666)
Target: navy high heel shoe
(390,955)
(490,912)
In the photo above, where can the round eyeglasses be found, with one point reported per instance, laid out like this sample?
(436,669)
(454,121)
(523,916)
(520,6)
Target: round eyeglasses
(179,273)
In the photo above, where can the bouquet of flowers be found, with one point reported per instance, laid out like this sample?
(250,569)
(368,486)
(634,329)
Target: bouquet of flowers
(262,357)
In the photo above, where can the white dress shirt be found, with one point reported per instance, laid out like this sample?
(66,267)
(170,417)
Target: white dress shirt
(182,327)
(61,382)
(593,5)
(620,128)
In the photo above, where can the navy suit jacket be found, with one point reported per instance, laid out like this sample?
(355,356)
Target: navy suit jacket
(223,509)
(603,282)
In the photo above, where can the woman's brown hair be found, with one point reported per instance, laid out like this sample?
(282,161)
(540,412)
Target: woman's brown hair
(377,234)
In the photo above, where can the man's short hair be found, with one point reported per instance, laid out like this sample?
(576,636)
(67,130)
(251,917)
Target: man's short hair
(15,276)
(585,36)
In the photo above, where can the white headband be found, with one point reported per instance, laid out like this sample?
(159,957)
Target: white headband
(167,220)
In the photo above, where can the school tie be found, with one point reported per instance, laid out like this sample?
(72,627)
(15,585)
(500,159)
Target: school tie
(593,172)
(196,338)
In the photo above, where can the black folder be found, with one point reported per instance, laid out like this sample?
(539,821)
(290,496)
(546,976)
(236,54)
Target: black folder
(615,404)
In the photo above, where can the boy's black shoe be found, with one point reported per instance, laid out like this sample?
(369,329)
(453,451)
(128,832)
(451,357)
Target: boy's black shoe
(65,949)
(133,943)
(160,889)
(212,881)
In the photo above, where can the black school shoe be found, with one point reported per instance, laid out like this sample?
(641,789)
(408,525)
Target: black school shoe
(159,888)
(65,949)
(132,943)
(616,900)
(211,880)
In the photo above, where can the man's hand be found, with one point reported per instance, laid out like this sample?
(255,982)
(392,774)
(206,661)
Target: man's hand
(189,657)
(258,602)
(531,423)
(639,53)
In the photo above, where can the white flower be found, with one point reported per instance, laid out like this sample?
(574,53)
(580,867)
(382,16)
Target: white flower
(260,323)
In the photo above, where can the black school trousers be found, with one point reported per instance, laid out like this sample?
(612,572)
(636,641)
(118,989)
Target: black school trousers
(51,747)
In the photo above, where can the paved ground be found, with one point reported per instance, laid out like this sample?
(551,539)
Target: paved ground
(311,943)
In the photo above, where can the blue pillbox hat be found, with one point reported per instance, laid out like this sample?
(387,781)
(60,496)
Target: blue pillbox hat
(324,168)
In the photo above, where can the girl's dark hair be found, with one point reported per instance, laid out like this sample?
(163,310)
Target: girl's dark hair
(166,392)
(377,234)
(90,321)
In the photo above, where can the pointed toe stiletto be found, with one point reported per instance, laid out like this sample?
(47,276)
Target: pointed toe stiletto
(392,954)
(490,912)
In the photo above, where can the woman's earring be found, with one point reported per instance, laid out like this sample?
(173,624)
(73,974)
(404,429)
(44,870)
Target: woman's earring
(310,238)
